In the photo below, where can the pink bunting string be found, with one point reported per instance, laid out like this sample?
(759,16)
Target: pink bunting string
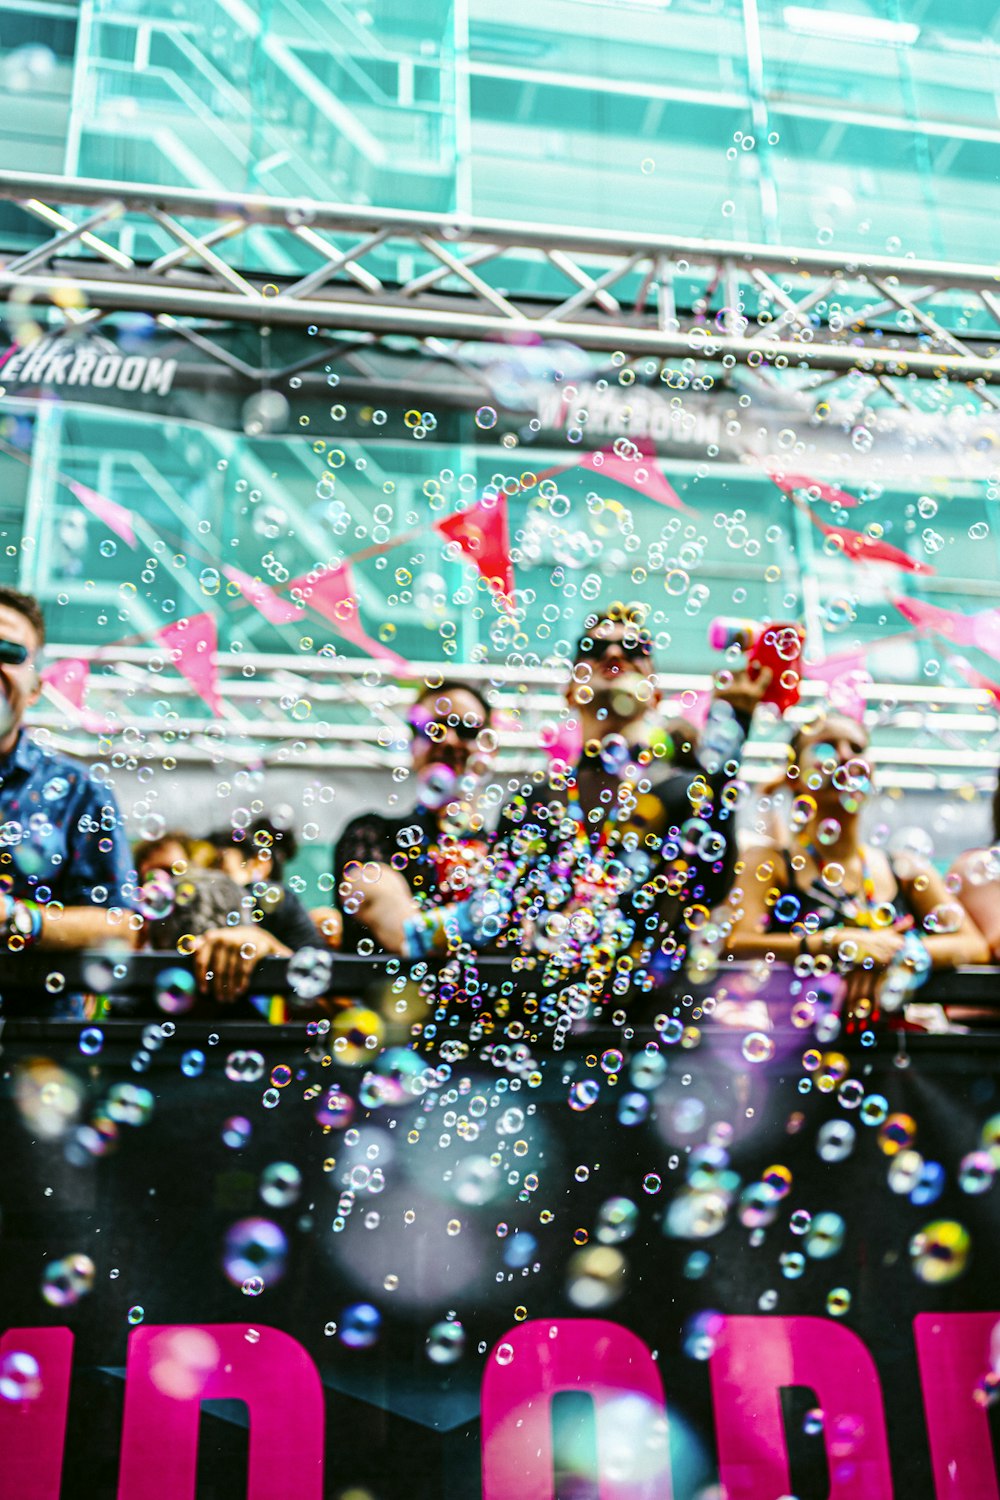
(640,473)
(331,592)
(789,483)
(266,602)
(116,517)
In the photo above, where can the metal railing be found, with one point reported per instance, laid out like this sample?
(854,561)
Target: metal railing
(26,979)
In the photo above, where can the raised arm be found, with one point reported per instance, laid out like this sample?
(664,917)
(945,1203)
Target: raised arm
(378,897)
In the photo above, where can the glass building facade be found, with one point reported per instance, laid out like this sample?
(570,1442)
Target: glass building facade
(861,129)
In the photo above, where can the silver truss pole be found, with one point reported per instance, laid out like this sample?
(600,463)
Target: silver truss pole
(796,280)
(349,218)
(385,318)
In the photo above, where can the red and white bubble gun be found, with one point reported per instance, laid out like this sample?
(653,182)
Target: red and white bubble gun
(769,643)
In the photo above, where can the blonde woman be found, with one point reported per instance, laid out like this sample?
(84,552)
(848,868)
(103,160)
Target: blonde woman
(823,892)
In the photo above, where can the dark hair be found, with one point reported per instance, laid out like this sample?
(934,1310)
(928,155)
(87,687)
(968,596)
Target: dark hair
(28,606)
(146,847)
(685,739)
(633,615)
(260,837)
(452,685)
(203,899)
(807,731)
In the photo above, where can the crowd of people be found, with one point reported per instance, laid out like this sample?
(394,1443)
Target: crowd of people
(611,874)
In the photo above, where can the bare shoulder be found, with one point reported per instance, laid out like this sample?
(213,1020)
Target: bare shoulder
(765,861)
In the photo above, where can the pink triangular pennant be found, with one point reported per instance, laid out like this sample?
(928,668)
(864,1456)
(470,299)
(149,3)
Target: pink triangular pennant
(981,630)
(193,643)
(276,611)
(332,594)
(973,678)
(832,667)
(847,677)
(828,492)
(641,472)
(68,678)
(858,546)
(482,533)
(114,516)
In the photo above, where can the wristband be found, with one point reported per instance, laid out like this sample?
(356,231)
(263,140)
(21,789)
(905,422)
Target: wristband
(473,923)
(431,932)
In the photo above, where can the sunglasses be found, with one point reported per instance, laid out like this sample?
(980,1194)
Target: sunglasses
(436,729)
(596,648)
(12,654)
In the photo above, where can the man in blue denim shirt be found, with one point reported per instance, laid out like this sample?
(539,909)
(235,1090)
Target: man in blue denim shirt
(65,866)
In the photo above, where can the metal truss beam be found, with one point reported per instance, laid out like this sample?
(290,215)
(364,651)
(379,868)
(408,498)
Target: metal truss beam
(479,279)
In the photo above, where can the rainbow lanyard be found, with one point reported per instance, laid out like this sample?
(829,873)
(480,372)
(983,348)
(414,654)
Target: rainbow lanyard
(574,808)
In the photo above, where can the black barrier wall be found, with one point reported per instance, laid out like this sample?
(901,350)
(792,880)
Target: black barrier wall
(405,1213)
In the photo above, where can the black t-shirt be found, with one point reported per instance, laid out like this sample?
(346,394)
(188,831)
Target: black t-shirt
(437,865)
(285,918)
(638,876)
(818,908)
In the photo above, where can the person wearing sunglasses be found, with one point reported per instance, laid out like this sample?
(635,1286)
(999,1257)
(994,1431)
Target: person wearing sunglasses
(413,882)
(66,877)
(633,844)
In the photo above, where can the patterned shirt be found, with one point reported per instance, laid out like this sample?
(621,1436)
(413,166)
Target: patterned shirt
(62,837)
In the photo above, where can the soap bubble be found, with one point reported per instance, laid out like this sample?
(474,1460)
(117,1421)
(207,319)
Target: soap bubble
(617,1220)
(236,1132)
(595,1277)
(308,973)
(175,991)
(835,1141)
(65,1281)
(824,1236)
(445,1342)
(360,1326)
(976,1172)
(254,1247)
(20,1377)
(939,1252)
(280,1184)
(266,411)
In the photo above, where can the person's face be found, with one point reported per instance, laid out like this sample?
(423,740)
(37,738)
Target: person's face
(619,655)
(20,684)
(231,862)
(168,856)
(446,729)
(833,758)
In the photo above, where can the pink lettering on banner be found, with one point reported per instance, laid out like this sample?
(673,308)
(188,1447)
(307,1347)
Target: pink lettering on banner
(35,1371)
(172,1369)
(541,1359)
(956,1352)
(753,1359)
